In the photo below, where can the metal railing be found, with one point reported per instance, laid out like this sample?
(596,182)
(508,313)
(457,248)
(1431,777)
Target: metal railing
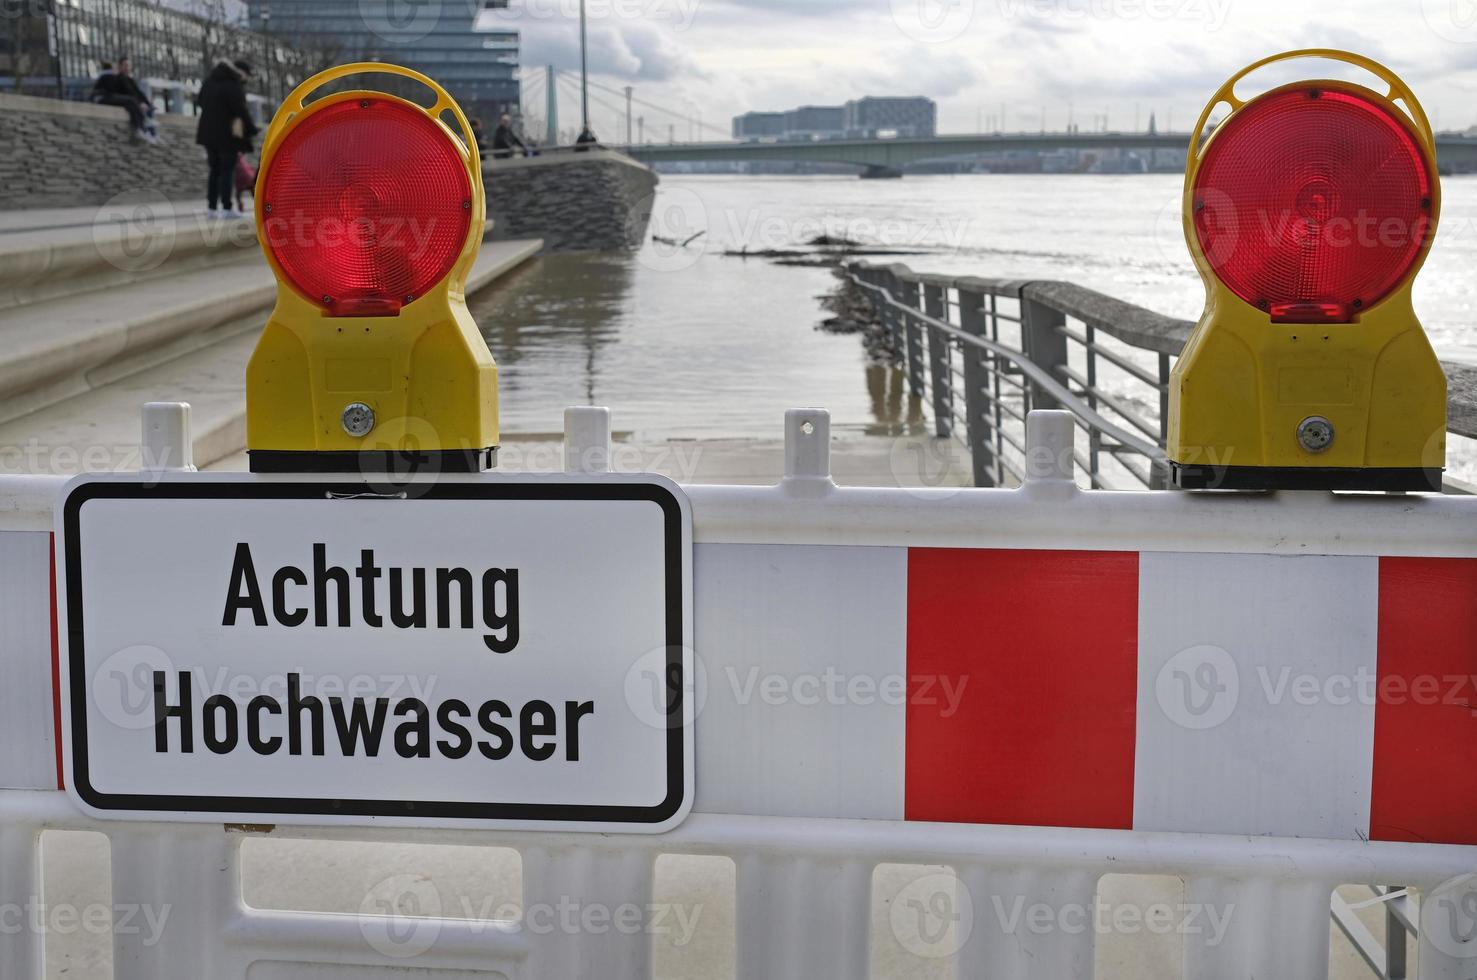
(534,152)
(1390,960)
(982,353)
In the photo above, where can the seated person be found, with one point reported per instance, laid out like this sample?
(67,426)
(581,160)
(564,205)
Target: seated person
(504,140)
(117,87)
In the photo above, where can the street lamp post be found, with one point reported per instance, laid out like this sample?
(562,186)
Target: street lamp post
(267,53)
(54,48)
(551,107)
(584,75)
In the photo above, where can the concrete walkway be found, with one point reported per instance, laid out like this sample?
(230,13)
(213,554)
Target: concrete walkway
(12,222)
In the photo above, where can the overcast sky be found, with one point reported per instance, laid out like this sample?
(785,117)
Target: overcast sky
(977,58)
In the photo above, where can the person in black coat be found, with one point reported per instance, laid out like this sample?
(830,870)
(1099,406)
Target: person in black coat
(225,129)
(504,140)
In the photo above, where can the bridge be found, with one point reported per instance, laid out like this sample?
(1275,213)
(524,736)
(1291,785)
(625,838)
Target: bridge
(876,157)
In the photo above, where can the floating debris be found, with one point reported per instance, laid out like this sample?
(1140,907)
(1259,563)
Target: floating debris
(818,258)
(682,244)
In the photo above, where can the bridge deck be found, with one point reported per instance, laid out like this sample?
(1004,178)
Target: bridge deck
(1455,151)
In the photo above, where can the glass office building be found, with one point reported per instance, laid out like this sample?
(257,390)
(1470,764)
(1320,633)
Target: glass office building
(809,122)
(437,37)
(866,118)
(912,116)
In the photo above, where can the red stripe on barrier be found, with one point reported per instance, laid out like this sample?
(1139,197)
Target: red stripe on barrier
(1425,716)
(1040,650)
(56,675)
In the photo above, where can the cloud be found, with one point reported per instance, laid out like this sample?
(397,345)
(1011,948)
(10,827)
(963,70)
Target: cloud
(1126,58)
(829,10)
(924,73)
(658,55)
(628,51)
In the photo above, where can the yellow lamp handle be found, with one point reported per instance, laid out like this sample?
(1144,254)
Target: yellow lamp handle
(1399,92)
(294,103)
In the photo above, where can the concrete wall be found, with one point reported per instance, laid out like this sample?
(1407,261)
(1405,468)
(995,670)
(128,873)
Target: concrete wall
(71,154)
(576,202)
(76,154)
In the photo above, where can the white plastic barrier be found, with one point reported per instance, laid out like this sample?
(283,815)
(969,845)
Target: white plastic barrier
(1267,695)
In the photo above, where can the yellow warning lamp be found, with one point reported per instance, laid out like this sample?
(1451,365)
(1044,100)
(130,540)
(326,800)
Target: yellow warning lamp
(1309,211)
(371,214)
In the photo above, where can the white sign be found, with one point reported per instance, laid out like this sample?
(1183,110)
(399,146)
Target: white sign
(480,651)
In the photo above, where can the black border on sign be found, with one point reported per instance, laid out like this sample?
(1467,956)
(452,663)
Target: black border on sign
(441,810)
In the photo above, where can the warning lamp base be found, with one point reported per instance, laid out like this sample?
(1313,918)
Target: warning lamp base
(1413,478)
(390,463)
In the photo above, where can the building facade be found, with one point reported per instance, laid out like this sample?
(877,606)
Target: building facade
(478,67)
(60,48)
(866,118)
(759,125)
(871,117)
(818,121)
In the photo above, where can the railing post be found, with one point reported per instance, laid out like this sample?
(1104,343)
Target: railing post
(1050,437)
(1045,344)
(1159,471)
(807,444)
(166,445)
(934,305)
(1164,372)
(1396,963)
(977,427)
(889,282)
(587,440)
(1094,437)
(996,367)
(21,955)
(907,294)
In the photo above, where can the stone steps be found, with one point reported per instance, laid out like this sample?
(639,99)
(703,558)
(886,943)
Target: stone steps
(86,305)
(97,427)
(59,348)
(57,253)
(82,250)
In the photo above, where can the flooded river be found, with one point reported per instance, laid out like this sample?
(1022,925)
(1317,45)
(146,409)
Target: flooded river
(698,343)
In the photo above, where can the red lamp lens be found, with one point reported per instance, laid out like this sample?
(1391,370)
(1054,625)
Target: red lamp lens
(366,205)
(1313,204)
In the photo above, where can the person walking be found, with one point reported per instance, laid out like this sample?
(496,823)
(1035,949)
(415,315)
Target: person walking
(225,130)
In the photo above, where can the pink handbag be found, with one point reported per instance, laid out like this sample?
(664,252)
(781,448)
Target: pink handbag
(245,173)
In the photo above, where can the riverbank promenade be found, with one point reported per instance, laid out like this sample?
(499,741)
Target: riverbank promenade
(108,309)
